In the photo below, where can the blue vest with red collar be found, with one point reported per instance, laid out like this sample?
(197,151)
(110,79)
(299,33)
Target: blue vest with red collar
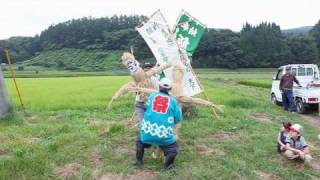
(162,113)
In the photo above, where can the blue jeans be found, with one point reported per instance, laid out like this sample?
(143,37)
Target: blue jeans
(288,101)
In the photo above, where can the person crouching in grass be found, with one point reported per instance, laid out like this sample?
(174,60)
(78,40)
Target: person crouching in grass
(296,146)
(163,113)
(283,134)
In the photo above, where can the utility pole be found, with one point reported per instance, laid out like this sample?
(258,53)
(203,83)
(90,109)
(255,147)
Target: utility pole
(4,98)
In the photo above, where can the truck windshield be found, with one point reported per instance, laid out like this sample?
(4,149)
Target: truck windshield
(301,71)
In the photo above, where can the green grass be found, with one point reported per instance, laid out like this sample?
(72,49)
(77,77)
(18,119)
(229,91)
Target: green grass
(66,123)
(257,83)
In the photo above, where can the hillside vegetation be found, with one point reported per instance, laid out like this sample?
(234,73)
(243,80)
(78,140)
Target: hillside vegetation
(263,45)
(77,60)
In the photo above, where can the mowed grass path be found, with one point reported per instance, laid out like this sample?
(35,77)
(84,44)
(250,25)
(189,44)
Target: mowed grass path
(67,133)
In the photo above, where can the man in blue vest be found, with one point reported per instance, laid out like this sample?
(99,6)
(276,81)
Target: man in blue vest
(163,113)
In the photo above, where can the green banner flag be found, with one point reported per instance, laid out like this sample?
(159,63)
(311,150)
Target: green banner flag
(188,32)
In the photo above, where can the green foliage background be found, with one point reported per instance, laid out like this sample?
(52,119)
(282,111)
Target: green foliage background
(263,45)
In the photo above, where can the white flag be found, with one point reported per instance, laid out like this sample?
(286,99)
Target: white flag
(164,47)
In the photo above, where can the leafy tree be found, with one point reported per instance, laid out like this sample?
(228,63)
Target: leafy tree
(218,49)
(263,45)
(303,49)
(315,33)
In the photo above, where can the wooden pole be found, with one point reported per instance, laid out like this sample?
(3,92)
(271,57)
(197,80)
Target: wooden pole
(13,75)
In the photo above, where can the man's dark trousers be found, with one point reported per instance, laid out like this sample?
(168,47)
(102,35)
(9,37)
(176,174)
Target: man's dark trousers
(288,101)
(170,152)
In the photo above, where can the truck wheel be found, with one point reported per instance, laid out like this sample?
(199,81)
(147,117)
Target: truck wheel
(274,99)
(301,107)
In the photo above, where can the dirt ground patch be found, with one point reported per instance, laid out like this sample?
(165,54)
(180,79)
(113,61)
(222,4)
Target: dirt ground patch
(125,149)
(280,159)
(141,175)
(93,121)
(3,151)
(261,116)
(265,176)
(205,150)
(96,162)
(67,171)
(3,138)
(57,117)
(32,118)
(223,135)
(31,140)
(315,164)
(313,119)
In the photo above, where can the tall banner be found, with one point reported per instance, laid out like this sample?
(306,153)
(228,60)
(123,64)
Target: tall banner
(188,32)
(164,47)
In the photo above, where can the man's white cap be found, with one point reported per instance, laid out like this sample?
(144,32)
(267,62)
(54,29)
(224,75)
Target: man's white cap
(297,127)
(165,83)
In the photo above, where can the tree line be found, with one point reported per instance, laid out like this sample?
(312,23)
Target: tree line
(263,45)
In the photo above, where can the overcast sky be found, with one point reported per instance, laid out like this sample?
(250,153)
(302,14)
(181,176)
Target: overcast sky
(30,17)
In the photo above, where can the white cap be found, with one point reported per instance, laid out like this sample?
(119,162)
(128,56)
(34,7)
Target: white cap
(165,83)
(297,127)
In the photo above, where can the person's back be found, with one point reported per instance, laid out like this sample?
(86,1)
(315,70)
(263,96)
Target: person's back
(163,112)
(158,126)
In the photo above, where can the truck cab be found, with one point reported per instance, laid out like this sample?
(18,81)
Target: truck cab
(308,94)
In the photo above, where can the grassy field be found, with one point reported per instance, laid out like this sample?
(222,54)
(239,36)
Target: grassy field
(66,132)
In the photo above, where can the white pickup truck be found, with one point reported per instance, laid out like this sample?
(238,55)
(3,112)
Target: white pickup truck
(305,96)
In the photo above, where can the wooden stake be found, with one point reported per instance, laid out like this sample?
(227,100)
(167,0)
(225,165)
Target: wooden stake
(13,75)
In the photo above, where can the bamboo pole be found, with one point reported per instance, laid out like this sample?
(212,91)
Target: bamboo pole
(13,75)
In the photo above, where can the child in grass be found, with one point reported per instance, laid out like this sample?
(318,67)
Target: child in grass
(284,132)
(296,146)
